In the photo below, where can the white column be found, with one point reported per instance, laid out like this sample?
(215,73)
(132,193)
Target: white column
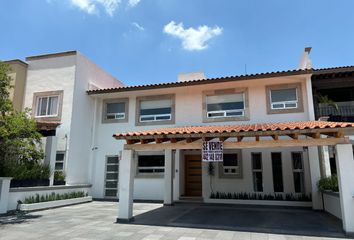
(176,173)
(4,193)
(315,174)
(168,198)
(325,164)
(50,155)
(345,170)
(126,186)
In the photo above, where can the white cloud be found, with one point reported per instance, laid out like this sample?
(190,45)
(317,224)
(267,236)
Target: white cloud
(133,3)
(139,27)
(192,39)
(90,6)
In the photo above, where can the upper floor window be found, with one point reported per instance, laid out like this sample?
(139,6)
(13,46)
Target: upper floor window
(115,110)
(225,105)
(284,98)
(47,105)
(155,110)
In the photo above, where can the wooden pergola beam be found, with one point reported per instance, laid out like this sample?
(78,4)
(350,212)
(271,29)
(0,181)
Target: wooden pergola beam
(244,144)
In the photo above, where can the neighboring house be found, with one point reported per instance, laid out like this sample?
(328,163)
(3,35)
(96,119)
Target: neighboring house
(18,73)
(56,92)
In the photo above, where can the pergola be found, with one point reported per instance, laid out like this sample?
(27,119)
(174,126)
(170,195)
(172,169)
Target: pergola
(48,130)
(309,134)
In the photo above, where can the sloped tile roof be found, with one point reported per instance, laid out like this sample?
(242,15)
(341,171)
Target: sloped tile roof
(224,79)
(303,125)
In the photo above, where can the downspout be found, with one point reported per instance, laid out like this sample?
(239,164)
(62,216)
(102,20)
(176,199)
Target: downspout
(93,142)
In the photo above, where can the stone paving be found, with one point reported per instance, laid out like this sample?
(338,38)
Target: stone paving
(96,220)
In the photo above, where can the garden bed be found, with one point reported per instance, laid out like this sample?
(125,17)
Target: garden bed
(53,204)
(260,202)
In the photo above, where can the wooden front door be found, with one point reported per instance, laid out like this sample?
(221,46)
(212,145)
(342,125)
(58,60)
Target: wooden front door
(193,175)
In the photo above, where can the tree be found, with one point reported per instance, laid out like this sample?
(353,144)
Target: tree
(20,142)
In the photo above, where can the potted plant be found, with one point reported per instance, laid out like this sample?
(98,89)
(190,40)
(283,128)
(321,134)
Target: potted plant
(328,184)
(59,178)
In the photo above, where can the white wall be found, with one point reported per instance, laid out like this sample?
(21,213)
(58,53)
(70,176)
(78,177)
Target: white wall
(188,112)
(245,184)
(73,74)
(52,74)
(82,131)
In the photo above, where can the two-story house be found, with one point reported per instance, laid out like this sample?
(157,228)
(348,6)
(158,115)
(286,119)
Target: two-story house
(148,142)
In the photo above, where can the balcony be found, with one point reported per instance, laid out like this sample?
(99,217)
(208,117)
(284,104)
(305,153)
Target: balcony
(344,112)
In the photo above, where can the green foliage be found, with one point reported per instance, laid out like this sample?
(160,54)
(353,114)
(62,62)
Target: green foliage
(326,100)
(59,176)
(20,142)
(328,184)
(53,197)
(260,196)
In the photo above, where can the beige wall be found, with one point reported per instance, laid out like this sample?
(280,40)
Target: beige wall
(18,73)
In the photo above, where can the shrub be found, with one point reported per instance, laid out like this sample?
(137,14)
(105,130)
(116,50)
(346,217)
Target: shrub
(53,197)
(59,176)
(328,184)
(260,196)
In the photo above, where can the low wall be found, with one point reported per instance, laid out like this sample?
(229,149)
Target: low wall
(331,204)
(21,193)
(259,202)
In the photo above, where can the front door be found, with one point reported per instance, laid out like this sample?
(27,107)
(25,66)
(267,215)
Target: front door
(193,175)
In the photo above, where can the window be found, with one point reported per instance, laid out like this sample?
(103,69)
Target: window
(155,110)
(277,172)
(47,106)
(230,167)
(284,98)
(151,164)
(152,110)
(111,181)
(298,172)
(257,170)
(228,105)
(59,161)
(115,110)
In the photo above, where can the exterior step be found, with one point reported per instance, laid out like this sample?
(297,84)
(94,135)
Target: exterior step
(190,199)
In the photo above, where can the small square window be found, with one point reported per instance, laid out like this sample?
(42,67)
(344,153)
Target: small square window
(115,110)
(284,98)
(230,167)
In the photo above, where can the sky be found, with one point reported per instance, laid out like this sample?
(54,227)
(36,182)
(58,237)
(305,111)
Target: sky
(152,41)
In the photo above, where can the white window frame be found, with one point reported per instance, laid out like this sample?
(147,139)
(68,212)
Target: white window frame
(284,103)
(61,161)
(117,116)
(155,117)
(154,173)
(257,170)
(227,170)
(39,105)
(224,112)
(111,180)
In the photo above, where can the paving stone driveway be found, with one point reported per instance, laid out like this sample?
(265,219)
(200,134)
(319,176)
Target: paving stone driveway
(96,220)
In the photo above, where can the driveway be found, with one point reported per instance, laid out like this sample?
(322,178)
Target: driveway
(96,220)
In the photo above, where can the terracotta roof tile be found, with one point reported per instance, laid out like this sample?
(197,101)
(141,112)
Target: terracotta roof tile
(237,128)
